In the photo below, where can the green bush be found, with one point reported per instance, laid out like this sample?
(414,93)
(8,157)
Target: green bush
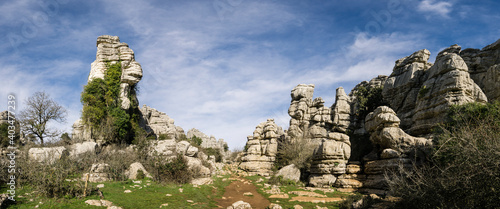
(368,99)
(140,175)
(298,152)
(279,180)
(102,108)
(463,169)
(196,141)
(214,152)
(173,171)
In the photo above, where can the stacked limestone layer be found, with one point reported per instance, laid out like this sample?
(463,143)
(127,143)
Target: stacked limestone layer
(421,93)
(261,149)
(159,123)
(111,50)
(392,148)
(208,141)
(484,68)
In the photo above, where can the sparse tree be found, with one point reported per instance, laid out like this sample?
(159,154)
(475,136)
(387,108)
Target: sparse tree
(41,109)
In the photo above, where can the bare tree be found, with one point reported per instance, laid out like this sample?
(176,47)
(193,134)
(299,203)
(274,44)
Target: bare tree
(40,109)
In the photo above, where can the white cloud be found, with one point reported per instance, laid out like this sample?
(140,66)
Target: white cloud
(435,7)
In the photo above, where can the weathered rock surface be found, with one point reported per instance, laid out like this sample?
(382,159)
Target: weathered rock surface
(159,123)
(240,205)
(261,148)
(330,159)
(448,83)
(484,68)
(109,49)
(99,172)
(209,141)
(46,154)
(341,111)
(80,148)
(290,172)
(131,172)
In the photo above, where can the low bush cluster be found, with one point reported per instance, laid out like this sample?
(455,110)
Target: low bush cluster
(175,170)
(463,170)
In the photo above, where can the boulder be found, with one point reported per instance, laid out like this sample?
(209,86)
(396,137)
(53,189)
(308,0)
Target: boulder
(290,172)
(80,148)
(131,172)
(159,123)
(98,173)
(240,205)
(46,154)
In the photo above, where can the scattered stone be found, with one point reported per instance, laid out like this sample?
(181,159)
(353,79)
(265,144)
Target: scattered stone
(202,181)
(274,206)
(181,190)
(279,196)
(168,195)
(316,199)
(298,207)
(163,205)
(127,191)
(307,194)
(100,186)
(247,194)
(240,205)
(190,201)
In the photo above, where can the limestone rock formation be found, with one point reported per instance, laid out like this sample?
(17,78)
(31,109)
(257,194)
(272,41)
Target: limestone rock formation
(402,87)
(159,123)
(109,49)
(81,132)
(81,148)
(484,68)
(383,125)
(208,141)
(46,154)
(330,159)
(341,111)
(310,118)
(261,148)
(421,93)
(448,83)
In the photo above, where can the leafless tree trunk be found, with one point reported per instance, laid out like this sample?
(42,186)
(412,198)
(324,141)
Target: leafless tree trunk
(40,109)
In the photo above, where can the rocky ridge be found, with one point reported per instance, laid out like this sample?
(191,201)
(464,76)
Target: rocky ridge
(416,96)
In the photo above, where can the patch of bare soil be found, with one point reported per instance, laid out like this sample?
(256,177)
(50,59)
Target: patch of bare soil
(234,192)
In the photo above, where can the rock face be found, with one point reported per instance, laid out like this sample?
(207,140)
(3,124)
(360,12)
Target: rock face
(109,49)
(81,148)
(261,148)
(310,118)
(131,172)
(169,149)
(484,68)
(99,172)
(46,154)
(330,159)
(154,121)
(208,142)
(421,93)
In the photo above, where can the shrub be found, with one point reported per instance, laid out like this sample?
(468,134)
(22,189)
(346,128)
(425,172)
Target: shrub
(463,169)
(140,175)
(59,179)
(298,152)
(214,152)
(368,99)
(196,141)
(173,171)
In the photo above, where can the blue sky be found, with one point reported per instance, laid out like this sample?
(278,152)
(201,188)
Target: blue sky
(223,66)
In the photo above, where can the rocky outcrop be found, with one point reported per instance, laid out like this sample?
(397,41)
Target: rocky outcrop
(261,149)
(310,118)
(402,87)
(393,148)
(158,123)
(421,93)
(110,50)
(77,149)
(46,154)
(330,159)
(447,83)
(169,149)
(209,141)
(484,68)
(341,111)
(81,132)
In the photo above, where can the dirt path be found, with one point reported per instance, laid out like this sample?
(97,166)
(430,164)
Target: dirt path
(234,192)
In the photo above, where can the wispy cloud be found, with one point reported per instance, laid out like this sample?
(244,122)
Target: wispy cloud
(435,7)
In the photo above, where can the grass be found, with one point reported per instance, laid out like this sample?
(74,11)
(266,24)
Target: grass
(152,196)
(286,203)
